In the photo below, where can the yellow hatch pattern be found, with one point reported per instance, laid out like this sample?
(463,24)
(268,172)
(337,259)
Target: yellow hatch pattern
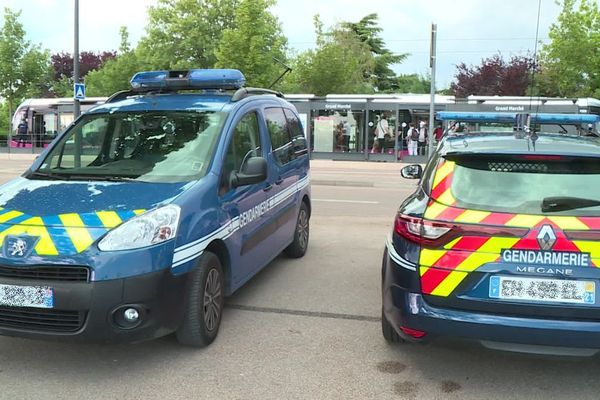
(63,234)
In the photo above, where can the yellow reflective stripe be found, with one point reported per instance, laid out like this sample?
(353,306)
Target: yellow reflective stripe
(423,269)
(429,257)
(77,231)
(569,223)
(472,216)
(138,212)
(447,197)
(443,172)
(109,219)
(496,244)
(35,227)
(452,243)
(589,247)
(10,215)
(450,283)
(434,210)
(523,220)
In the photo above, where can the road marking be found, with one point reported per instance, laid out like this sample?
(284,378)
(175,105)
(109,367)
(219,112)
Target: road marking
(316,314)
(346,201)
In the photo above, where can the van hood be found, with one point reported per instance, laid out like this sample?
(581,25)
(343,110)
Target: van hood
(56,202)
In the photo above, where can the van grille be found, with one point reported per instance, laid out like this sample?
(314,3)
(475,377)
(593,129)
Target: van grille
(41,320)
(47,273)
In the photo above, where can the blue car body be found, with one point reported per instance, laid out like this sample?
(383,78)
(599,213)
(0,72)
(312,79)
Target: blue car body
(50,229)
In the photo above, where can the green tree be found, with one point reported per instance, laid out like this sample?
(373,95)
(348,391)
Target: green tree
(412,83)
(24,68)
(570,63)
(116,73)
(185,33)
(341,63)
(368,32)
(252,44)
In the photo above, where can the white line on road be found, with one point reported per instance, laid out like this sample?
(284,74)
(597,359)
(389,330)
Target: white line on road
(346,201)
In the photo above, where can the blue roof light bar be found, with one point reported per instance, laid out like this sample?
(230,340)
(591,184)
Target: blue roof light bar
(193,79)
(539,118)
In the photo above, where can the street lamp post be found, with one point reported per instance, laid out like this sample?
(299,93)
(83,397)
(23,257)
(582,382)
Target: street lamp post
(76,107)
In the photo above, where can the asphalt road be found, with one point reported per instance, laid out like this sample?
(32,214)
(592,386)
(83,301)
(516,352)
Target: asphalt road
(301,329)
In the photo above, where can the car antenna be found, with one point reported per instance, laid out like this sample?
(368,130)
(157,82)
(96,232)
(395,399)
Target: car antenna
(287,69)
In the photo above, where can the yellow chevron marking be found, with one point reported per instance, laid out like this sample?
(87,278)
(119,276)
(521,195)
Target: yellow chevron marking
(488,252)
(34,227)
(589,247)
(429,257)
(569,223)
(449,284)
(434,210)
(423,269)
(138,212)
(447,197)
(443,172)
(10,215)
(77,231)
(452,243)
(526,221)
(472,216)
(109,219)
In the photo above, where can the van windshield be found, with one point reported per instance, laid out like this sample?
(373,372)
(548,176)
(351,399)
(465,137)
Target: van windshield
(528,186)
(163,146)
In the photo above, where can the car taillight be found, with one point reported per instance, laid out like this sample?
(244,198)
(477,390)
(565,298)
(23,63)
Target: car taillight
(425,233)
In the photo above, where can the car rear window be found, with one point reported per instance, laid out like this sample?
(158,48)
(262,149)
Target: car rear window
(519,184)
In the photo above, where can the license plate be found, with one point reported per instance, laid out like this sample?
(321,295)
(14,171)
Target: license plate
(27,296)
(543,290)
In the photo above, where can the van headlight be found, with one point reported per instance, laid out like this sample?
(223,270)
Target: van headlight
(153,227)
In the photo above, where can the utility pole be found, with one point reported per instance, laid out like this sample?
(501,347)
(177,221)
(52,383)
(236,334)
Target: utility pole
(76,108)
(432,60)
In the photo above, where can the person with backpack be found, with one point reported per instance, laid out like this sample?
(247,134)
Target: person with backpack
(412,139)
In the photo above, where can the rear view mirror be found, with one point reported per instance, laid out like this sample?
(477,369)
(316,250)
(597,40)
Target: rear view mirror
(413,171)
(253,171)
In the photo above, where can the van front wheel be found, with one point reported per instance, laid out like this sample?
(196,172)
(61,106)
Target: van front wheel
(204,306)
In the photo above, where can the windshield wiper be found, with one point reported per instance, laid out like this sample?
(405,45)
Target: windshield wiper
(553,204)
(46,175)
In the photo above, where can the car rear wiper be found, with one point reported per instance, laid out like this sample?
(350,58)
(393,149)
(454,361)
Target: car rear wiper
(553,204)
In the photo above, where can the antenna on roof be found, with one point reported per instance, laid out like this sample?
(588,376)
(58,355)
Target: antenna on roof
(287,69)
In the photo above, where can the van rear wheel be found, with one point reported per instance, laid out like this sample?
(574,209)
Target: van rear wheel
(299,246)
(204,305)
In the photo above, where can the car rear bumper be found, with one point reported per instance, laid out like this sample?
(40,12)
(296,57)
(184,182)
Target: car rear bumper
(405,306)
(91,312)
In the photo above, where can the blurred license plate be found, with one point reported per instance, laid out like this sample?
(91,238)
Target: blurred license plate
(27,296)
(547,290)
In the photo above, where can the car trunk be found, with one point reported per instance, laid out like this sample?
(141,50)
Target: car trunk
(502,249)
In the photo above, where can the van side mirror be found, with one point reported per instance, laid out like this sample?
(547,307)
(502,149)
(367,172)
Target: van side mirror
(413,171)
(253,171)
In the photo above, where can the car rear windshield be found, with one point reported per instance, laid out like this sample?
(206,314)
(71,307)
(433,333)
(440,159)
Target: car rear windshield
(158,146)
(521,184)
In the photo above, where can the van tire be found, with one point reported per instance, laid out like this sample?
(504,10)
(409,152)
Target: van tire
(204,303)
(299,246)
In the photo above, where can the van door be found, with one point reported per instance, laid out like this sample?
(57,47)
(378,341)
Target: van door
(244,207)
(284,171)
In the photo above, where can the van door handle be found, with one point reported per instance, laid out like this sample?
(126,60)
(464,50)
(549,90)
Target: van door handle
(268,187)
(279,181)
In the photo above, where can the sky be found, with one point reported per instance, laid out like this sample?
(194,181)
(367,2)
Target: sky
(468,30)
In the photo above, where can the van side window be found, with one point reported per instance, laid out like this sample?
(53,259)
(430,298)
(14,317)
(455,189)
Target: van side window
(281,142)
(295,128)
(245,143)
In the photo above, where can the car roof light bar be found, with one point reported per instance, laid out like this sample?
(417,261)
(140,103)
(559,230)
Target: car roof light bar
(193,79)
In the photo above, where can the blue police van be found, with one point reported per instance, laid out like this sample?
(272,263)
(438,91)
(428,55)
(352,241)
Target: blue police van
(150,208)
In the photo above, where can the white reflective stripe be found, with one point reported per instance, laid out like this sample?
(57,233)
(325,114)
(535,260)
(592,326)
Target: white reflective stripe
(189,251)
(396,257)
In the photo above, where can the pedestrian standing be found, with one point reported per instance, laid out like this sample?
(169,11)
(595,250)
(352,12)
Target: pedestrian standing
(422,138)
(346,132)
(412,138)
(381,130)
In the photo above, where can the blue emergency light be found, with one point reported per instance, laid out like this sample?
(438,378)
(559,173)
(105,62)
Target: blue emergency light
(193,79)
(538,118)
